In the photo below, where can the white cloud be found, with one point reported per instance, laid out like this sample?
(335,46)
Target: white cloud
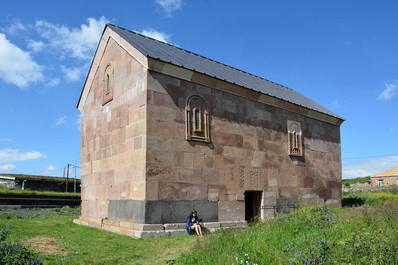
(169,6)
(49,170)
(7,167)
(73,42)
(369,167)
(53,82)
(65,120)
(61,120)
(390,91)
(16,28)
(78,121)
(17,67)
(2,140)
(12,155)
(35,46)
(74,73)
(156,35)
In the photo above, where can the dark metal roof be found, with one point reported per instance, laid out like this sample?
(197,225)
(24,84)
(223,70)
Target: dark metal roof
(174,55)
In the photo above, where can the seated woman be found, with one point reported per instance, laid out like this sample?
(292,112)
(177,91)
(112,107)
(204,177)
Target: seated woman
(193,224)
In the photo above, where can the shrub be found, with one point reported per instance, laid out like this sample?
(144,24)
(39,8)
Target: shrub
(352,201)
(369,198)
(16,253)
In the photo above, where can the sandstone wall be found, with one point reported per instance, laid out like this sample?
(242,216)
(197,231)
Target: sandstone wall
(113,140)
(248,152)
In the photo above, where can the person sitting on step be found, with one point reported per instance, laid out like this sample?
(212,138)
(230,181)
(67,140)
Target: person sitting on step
(193,223)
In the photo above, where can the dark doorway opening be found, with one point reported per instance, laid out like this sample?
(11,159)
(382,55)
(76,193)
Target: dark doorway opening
(252,205)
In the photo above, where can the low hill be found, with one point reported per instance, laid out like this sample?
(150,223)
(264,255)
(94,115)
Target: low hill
(348,182)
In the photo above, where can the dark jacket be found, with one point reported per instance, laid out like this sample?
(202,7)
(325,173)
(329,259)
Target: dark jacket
(190,222)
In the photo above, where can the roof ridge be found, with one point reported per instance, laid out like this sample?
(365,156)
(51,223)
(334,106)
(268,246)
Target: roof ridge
(393,171)
(216,69)
(204,57)
(142,35)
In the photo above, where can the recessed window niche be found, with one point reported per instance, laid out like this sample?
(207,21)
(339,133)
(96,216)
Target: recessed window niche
(197,119)
(295,145)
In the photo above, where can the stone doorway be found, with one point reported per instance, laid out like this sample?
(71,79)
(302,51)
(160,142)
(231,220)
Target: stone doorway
(252,205)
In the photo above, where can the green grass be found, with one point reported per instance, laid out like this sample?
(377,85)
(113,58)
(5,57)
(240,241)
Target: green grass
(315,235)
(4,190)
(370,198)
(85,245)
(348,182)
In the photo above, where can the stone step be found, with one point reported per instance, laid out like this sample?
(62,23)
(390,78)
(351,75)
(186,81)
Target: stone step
(153,230)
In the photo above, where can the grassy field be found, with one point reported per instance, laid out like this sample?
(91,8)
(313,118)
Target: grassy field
(66,243)
(314,235)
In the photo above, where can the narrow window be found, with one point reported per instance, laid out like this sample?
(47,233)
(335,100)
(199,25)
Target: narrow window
(294,140)
(197,119)
(107,84)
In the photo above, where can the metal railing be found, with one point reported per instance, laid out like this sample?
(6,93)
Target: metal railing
(280,208)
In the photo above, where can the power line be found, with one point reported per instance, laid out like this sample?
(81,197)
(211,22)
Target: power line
(370,156)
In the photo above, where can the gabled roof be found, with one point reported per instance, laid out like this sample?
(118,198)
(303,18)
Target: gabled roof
(388,173)
(168,53)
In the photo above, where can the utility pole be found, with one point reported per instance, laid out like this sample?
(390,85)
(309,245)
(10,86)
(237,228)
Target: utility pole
(74,185)
(75,173)
(67,168)
(67,176)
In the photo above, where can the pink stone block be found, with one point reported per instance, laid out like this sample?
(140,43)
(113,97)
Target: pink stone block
(138,142)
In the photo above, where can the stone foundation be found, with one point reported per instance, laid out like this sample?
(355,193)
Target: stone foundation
(153,230)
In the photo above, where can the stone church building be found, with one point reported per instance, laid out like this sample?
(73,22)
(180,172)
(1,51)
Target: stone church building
(166,131)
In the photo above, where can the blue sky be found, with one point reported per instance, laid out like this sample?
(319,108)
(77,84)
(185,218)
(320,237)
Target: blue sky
(342,54)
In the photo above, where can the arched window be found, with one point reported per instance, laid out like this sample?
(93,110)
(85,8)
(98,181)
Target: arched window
(197,120)
(295,145)
(107,84)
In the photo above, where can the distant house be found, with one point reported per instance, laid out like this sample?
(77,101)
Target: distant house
(387,178)
(166,131)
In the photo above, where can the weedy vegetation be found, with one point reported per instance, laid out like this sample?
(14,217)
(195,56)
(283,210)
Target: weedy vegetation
(27,192)
(313,235)
(16,253)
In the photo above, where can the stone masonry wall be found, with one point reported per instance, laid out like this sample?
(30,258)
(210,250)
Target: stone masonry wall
(113,140)
(248,152)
